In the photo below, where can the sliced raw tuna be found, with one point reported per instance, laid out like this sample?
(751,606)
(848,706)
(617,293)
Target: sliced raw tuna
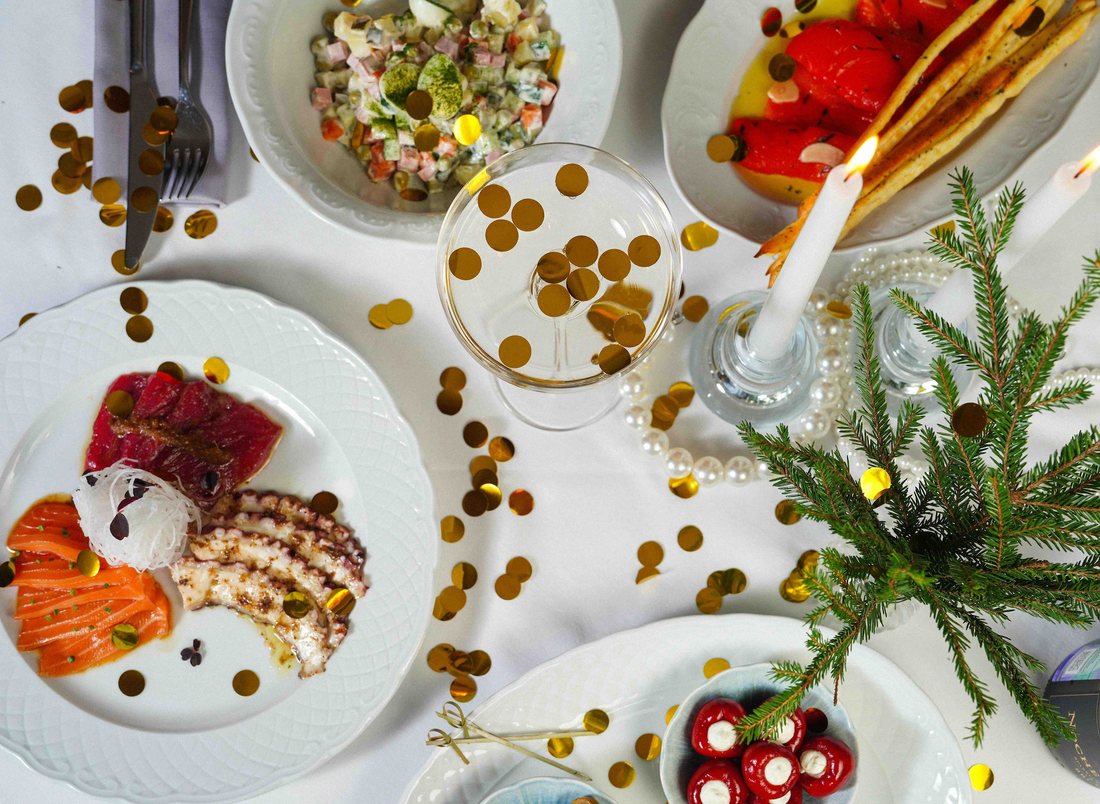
(202,439)
(843,61)
(775,147)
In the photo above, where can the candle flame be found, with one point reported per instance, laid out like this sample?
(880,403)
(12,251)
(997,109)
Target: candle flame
(1089,164)
(863,156)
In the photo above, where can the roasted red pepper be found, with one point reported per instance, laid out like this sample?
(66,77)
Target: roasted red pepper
(713,734)
(826,764)
(793,797)
(770,769)
(717,781)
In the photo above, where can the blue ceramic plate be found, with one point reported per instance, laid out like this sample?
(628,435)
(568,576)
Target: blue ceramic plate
(546,790)
(750,686)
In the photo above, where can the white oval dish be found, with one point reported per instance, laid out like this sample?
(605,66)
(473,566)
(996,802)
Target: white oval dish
(546,790)
(749,686)
(188,736)
(720,43)
(270,71)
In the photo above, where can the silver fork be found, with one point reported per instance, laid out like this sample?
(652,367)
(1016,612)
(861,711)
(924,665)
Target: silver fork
(189,148)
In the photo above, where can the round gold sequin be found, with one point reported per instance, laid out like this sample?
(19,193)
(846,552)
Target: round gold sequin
(448,603)
(118,262)
(720,148)
(666,407)
(151,162)
(426,137)
(464,263)
(805,6)
(86,87)
(629,330)
(698,235)
(26,318)
(72,99)
(474,503)
(520,502)
(559,747)
(28,197)
(451,529)
(325,503)
(463,689)
(502,449)
(340,602)
(117,99)
(582,799)
(682,394)
(65,185)
(493,495)
(63,135)
(596,721)
(164,220)
(614,265)
(786,513)
(507,587)
(439,657)
(715,666)
(458,664)
(839,310)
(582,251)
(106,190)
(519,568)
(554,300)
(695,308)
(215,370)
(981,776)
(88,563)
(671,713)
(378,317)
(528,214)
(245,683)
(164,119)
(350,3)
(464,575)
(86,180)
(969,420)
(793,593)
(483,476)
(809,558)
(449,402)
(70,165)
(874,483)
(139,328)
(552,267)
(480,663)
(125,636)
(645,573)
(781,67)
(399,311)
(152,136)
(621,775)
(514,351)
(613,358)
(684,487)
(419,104)
(131,683)
(583,284)
(7,573)
(571,180)
(200,224)
(452,378)
(501,235)
(494,202)
(296,605)
(83,149)
(727,582)
(144,199)
(648,747)
(1033,19)
(174,370)
(475,434)
(690,538)
(112,214)
(133,300)
(644,251)
(650,554)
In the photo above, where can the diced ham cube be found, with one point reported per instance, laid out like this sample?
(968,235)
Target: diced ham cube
(448,47)
(380,171)
(427,166)
(331,129)
(548,92)
(410,159)
(448,146)
(360,68)
(531,117)
(483,57)
(322,98)
(338,51)
(498,59)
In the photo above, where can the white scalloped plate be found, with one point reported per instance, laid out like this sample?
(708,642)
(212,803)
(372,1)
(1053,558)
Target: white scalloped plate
(907,752)
(188,736)
(271,70)
(724,38)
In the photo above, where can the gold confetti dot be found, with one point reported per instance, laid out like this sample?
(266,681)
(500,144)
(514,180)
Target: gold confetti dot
(452,529)
(785,512)
(174,370)
(63,135)
(296,605)
(164,220)
(215,370)
(70,166)
(164,119)
(87,563)
(629,330)
(133,300)
(621,775)
(28,197)
(464,263)
(72,99)
(467,129)
(583,284)
(690,538)
(981,777)
(809,558)
(474,503)
(131,683)
(86,88)
(112,214)
(528,215)
(695,308)
(648,747)
(839,310)
(502,449)
(483,476)
(969,420)
(378,317)
(519,568)
(874,483)
(449,402)
(448,603)
(771,21)
(123,636)
(245,683)
(7,573)
(520,502)
(554,300)
(482,463)
(83,149)
(151,162)
(684,487)
(439,657)
(582,251)
(106,190)
(650,554)
(117,99)
(340,602)
(501,235)
(200,224)
(144,199)
(419,104)
(720,148)
(139,328)
(399,311)
(715,666)
(793,593)
(152,136)
(463,689)
(452,378)
(644,251)
(458,663)
(464,575)
(480,663)
(698,235)
(727,582)
(645,573)
(781,67)
(65,185)
(613,358)
(26,318)
(494,201)
(614,265)
(681,393)
(118,262)
(507,587)
(596,721)
(552,267)
(514,351)
(571,180)
(324,502)
(559,747)
(475,434)
(426,137)
(86,180)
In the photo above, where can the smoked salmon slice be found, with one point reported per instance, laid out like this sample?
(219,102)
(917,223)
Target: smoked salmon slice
(63,623)
(32,602)
(69,656)
(59,573)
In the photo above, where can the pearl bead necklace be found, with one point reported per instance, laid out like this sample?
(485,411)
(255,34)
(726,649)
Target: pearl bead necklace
(832,394)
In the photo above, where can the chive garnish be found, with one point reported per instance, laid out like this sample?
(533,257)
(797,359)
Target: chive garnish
(108,609)
(72,659)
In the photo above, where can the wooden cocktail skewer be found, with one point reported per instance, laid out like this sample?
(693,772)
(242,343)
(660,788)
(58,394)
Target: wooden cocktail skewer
(542,735)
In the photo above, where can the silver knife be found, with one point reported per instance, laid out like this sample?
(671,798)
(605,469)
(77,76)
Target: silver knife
(142,103)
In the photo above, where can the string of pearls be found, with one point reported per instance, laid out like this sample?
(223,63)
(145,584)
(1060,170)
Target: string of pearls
(832,394)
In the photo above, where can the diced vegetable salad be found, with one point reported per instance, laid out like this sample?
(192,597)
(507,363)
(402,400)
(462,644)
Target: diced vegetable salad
(494,59)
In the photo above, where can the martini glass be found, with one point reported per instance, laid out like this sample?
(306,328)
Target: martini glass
(558,267)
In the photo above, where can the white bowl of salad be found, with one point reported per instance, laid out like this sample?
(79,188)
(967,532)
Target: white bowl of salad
(323,92)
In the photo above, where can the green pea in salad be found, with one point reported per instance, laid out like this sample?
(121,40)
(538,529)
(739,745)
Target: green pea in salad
(391,89)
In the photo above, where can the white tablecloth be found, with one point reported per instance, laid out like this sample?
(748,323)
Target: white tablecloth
(597,497)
